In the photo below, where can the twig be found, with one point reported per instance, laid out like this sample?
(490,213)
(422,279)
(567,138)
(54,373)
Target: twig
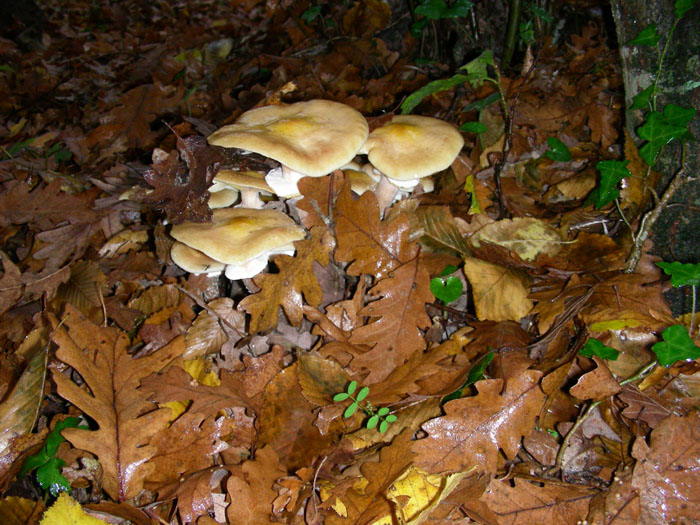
(652,216)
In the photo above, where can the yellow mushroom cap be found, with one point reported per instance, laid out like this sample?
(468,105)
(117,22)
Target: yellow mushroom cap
(237,235)
(411,146)
(194,261)
(312,138)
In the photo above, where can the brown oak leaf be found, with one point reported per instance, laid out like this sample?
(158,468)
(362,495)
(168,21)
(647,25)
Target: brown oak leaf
(475,428)
(371,246)
(285,288)
(126,420)
(397,332)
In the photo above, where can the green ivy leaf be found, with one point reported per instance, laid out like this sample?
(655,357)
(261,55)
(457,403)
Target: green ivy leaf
(662,128)
(646,37)
(681,274)
(611,173)
(447,289)
(352,407)
(372,422)
(50,478)
(342,396)
(595,347)
(473,127)
(642,99)
(351,387)
(558,152)
(677,346)
(364,391)
(681,7)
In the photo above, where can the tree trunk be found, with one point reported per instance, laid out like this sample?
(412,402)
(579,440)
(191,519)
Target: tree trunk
(676,235)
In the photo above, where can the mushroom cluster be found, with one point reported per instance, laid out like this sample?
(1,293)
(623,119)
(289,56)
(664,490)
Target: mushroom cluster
(311,139)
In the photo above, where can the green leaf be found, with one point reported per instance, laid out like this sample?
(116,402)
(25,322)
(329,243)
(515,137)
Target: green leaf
(390,418)
(646,37)
(662,128)
(481,104)
(681,7)
(435,86)
(6,68)
(449,269)
(311,13)
(383,411)
(558,152)
(476,373)
(352,407)
(438,10)
(642,99)
(342,396)
(50,478)
(351,387)
(611,173)
(383,426)
(677,346)
(473,127)
(681,274)
(595,347)
(372,422)
(364,391)
(50,448)
(447,289)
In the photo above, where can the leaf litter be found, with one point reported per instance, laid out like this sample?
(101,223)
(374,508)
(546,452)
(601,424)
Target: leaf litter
(203,400)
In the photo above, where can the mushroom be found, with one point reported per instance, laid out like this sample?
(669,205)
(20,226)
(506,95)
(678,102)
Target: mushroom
(360,179)
(310,138)
(194,261)
(250,183)
(222,197)
(241,238)
(407,149)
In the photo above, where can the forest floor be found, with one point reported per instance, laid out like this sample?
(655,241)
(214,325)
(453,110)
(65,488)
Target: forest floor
(476,354)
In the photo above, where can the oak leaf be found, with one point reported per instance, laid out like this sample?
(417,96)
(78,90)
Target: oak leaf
(285,288)
(397,332)
(370,246)
(475,428)
(665,475)
(526,503)
(182,193)
(125,420)
(250,488)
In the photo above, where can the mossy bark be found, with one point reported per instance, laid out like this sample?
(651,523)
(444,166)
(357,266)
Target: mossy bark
(676,235)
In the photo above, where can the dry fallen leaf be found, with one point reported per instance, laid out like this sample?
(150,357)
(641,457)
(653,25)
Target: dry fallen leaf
(125,420)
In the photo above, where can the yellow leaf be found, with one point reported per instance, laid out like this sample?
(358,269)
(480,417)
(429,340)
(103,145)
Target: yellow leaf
(615,324)
(67,512)
(500,294)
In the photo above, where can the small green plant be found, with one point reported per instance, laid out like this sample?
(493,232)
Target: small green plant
(431,10)
(684,275)
(446,287)
(380,416)
(476,373)
(47,465)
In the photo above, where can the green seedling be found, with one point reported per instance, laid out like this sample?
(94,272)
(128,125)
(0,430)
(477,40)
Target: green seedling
(476,373)
(47,465)
(381,416)
(611,174)
(446,287)
(428,10)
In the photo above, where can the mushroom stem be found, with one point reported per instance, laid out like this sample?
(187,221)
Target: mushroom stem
(250,198)
(385,193)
